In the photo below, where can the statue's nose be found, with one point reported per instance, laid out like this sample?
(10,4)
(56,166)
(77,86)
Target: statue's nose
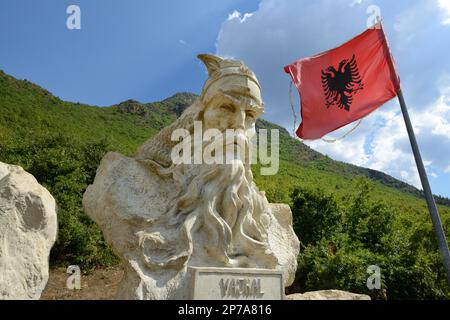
(239,120)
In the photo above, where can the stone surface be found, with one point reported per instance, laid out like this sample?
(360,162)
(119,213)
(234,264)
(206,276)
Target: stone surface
(328,295)
(28,229)
(236,284)
(162,217)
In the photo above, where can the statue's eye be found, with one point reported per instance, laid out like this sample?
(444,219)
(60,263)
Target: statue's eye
(227,107)
(250,114)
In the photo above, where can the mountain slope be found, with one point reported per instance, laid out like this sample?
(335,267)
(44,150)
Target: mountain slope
(29,112)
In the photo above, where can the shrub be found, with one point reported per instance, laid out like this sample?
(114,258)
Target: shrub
(342,239)
(316,215)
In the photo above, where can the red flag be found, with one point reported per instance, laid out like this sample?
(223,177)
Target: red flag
(344,84)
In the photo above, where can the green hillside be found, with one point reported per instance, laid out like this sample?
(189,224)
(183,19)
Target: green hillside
(375,219)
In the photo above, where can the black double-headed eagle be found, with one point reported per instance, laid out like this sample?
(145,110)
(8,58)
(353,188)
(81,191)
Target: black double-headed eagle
(342,84)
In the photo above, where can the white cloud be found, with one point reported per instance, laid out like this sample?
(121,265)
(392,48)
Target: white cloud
(236,15)
(447,170)
(351,150)
(355,2)
(386,156)
(434,175)
(246,16)
(391,151)
(444,5)
(409,23)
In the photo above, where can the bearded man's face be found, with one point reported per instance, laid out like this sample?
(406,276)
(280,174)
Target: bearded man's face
(236,112)
(229,111)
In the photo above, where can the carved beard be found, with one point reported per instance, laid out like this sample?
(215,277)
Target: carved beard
(220,214)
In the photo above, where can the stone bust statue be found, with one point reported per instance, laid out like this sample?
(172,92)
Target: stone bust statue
(162,217)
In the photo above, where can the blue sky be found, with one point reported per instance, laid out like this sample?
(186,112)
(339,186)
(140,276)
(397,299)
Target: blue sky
(140,49)
(146,50)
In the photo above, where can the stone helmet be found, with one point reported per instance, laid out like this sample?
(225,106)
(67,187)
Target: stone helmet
(229,77)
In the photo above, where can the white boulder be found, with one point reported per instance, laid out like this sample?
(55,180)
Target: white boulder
(28,228)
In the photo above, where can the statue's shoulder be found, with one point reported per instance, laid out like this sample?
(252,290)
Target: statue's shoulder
(128,189)
(282,212)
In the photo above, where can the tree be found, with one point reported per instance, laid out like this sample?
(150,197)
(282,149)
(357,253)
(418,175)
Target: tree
(316,215)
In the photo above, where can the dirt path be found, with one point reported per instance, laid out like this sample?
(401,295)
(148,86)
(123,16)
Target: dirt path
(100,284)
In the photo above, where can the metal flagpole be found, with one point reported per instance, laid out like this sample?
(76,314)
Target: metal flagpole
(442,241)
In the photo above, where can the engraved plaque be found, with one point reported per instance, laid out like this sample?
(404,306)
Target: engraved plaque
(236,284)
